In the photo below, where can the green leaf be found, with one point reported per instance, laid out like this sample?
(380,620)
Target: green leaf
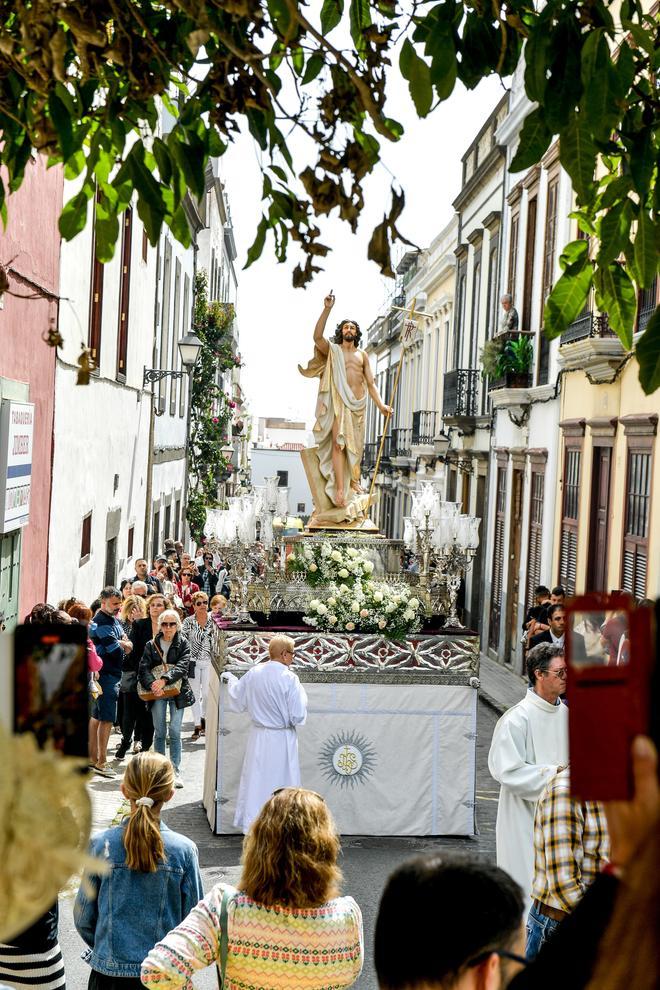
(480,49)
(74,215)
(646,258)
(642,160)
(614,230)
(106,228)
(575,253)
(567,299)
(359,18)
(394,127)
(440,47)
(617,189)
(577,153)
(163,160)
(416,71)
(617,297)
(647,353)
(537,55)
(61,118)
(598,100)
(314,65)
(178,224)
(192,164)
(331,14)
(258,244)
(298,60)
(535,137)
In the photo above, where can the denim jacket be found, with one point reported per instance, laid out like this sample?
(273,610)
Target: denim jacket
(126,912)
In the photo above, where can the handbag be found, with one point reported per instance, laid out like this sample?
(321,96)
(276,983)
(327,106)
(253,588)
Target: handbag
(227,897)
(128,682)
(169,691)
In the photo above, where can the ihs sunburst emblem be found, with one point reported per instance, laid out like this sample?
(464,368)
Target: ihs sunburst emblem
(347,759)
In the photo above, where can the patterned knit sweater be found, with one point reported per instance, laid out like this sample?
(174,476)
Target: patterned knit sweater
(268,947)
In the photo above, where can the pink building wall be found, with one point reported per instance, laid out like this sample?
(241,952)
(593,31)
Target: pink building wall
(30,247)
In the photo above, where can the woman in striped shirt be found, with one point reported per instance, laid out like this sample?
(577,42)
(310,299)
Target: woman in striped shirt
(285,925)
(197,629)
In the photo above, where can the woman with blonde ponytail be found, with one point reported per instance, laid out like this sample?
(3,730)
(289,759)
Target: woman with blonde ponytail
(152,883)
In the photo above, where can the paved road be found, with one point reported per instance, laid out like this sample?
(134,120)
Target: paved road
(366,861)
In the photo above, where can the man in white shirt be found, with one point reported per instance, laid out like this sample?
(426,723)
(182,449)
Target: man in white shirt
(529,744)
(276,702)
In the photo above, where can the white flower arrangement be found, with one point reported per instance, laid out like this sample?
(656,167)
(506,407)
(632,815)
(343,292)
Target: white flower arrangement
(369,606)
(324,563)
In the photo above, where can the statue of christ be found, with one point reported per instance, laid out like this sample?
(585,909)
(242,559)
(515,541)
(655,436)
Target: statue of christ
(345,379)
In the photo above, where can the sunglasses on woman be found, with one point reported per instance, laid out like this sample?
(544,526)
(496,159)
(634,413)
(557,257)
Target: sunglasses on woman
(167,625)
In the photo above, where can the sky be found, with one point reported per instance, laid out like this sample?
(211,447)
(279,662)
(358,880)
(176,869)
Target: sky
(276,321)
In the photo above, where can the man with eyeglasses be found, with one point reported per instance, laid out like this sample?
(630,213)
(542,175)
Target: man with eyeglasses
(444,923)
(529,745)
(277,703)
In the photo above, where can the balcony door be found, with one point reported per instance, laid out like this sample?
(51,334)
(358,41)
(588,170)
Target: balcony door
(599,519)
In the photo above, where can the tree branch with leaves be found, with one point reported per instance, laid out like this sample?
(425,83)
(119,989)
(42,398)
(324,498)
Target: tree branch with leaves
(82,82)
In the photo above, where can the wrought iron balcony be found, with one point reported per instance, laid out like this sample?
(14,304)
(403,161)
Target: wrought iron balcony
(423,428)
(369,457)
(460,392)
(587,325)
(401,442)
(647,305)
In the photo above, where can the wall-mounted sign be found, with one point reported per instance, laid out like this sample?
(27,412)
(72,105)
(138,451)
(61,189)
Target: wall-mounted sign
(16,440)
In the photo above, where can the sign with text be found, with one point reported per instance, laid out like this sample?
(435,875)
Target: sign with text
(16,441)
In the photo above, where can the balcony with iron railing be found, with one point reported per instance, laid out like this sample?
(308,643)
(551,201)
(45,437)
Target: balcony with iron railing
(423,428)
(369,457)
(648,300)
(459,397)
(401,441)
(589,344)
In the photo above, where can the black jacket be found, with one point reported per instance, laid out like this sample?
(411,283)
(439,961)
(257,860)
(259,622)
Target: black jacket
(543,637)
(178,660)
(141,633)
(152,583)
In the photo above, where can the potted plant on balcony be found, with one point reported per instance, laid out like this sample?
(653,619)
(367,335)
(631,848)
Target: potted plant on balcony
(491,359)
(517,361)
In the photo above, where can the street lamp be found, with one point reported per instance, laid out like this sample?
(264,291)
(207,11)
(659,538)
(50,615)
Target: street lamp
(189,348)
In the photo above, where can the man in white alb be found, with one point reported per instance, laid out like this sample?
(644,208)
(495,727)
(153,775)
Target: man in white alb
(276,702)
(529,744)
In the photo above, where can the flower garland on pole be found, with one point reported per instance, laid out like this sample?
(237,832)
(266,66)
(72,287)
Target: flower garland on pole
(211,409)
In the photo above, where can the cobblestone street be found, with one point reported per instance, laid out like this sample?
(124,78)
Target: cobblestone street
(366,861)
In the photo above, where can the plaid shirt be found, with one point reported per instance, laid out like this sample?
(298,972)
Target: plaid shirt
(570,845)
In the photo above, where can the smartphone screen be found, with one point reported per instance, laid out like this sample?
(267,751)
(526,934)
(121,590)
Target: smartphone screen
(50,686)
(608,652)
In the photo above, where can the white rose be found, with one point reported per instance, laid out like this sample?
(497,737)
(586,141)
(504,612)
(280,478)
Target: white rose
(378,596)
(350,626)
(332,620)
(352,552)
(364,612)
(335,555)
(332,601)
(343,587)
(314,602)
(382,623)
(408,616)
(368,566)
(355,607)
(343,573)
(313,568)
(322,609)
(413,603)
(390,607)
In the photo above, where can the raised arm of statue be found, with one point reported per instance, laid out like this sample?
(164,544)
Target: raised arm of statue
(319,339)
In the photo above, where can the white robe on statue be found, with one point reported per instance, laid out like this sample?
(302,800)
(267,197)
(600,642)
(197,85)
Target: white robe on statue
(529,742)
(276,702)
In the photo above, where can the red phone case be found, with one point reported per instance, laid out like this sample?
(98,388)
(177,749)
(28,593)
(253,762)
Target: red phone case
(608,705)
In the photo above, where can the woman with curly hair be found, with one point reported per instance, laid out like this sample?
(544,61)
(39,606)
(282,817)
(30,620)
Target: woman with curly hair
(285,911)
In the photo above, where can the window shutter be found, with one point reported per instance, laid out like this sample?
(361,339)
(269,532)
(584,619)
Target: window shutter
(535,535)
(498,559)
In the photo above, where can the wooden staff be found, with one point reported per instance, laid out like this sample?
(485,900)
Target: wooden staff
(391,405)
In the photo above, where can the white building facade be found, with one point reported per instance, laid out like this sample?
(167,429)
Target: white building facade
(525,435)
(101,430)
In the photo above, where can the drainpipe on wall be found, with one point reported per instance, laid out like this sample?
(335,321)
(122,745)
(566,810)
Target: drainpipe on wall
(152,419)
